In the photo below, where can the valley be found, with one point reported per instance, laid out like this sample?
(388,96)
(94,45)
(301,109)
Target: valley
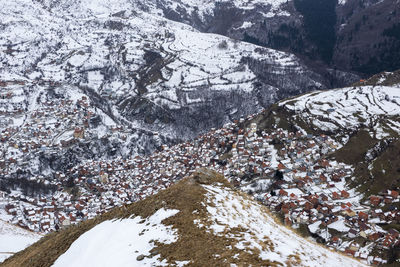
(297,174)
(267,116)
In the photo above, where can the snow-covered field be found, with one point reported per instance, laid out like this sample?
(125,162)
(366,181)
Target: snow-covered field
(14,239)
(350,108)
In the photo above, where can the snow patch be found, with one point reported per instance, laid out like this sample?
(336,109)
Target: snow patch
(120,242)
(14,239)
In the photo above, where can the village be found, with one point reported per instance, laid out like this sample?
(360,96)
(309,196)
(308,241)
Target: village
(290,172)
(46,127)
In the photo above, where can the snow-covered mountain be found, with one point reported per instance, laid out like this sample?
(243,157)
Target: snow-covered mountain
(346,34)
(87,79)
(201,220)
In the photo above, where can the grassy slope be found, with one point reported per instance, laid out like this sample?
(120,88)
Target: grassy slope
(193,244)
(385,173)
(386,168)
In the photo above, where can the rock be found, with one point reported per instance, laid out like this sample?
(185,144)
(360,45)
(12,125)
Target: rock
(204,176)
(154,252)
(140,257)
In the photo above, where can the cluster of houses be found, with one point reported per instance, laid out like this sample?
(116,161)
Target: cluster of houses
(311,191)
(288,171)
(26,133)
(33,124)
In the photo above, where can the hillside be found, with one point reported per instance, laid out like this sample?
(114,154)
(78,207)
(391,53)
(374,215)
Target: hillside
(106,103)
(326,173)
(201,220)
(364,119)
(86,79)
(361,36)
(368,36)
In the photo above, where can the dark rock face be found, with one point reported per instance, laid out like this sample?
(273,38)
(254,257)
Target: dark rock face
(319,20)
(368,37)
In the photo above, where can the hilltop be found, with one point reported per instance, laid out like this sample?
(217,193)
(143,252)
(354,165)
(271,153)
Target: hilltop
(201,220)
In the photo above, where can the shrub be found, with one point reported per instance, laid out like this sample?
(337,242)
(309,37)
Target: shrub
(223,44)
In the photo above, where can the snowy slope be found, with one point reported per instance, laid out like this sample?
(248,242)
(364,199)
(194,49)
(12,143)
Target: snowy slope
(206,7)
(14,239)
(228,215)
(350,108)
(144,80)
(201,7)
(364,119)
(120,242)
(230,210)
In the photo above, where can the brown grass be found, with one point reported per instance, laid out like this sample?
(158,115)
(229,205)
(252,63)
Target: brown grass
(355,149)
(194,243)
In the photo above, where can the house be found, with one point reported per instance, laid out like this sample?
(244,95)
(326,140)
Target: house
(354,246)
(103,178)
(68,142)
(324,163)
(363,234)
(10,208)
(285,208)
(335,240)
(79,133)
(281,166)
(308,206)
(394,233)
(389,241)
(344,194)
(349,252)
(374,236)
(394,194)
(323,197)
(66,223)
(335,195)
(375,200)
(283,193)
(363,216)
(352,233)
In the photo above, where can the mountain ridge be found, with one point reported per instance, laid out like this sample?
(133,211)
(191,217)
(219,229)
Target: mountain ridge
(192,199)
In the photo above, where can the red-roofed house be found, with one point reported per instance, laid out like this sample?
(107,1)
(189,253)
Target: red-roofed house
(283,193)
(335,195)
(344,194)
